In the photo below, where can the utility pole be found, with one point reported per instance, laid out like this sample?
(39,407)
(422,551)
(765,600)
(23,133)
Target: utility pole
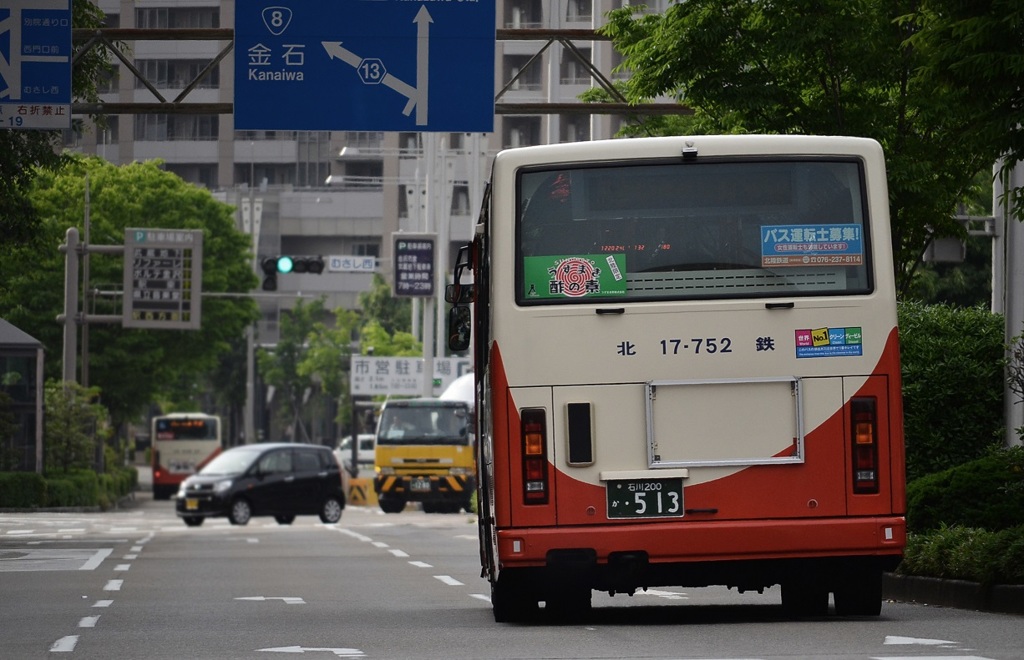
(1008,278)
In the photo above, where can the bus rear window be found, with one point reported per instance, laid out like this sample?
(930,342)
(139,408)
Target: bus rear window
(186,429)
(705,230)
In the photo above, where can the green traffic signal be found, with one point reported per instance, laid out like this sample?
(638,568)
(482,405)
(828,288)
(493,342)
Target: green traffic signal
(285,264)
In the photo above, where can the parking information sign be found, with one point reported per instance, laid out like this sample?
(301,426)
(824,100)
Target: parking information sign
(402,376)
(163,275)
(361,65)
(414,264)
(35,64)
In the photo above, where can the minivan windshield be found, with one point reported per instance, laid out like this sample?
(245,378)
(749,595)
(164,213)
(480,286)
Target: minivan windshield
(234,461)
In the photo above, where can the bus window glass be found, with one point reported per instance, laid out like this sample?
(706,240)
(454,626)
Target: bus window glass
(677,231)
(169,428)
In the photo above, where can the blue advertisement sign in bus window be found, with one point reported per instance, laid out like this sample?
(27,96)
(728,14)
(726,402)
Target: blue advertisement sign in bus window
(812,245)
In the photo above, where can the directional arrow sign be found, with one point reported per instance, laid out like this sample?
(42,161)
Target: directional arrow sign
(352,65)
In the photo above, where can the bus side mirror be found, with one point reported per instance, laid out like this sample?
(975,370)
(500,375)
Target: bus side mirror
(458,294)
(460,322)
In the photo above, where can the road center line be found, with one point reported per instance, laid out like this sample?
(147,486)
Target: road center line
(64,644)
(449,580)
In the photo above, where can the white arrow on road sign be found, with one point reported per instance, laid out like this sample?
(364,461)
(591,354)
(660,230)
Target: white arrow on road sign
(417,95)
(341,653)
(288,599)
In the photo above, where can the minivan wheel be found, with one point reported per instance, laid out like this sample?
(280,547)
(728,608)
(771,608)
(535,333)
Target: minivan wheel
(193,521)
(284,520)
(240,512)
(330,512)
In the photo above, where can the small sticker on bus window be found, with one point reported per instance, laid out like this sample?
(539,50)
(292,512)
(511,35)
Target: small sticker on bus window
(811,245)
(574,276)
(829,342)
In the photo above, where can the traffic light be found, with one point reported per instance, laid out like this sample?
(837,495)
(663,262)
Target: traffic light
(271,266)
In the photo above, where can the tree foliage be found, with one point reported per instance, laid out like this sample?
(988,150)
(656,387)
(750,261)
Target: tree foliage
(131,367)
(74,422)
(821,67)
(280,366)
(25,152)
(973,50)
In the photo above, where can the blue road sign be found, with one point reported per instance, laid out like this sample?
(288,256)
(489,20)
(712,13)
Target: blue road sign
(35,64)
(365,65)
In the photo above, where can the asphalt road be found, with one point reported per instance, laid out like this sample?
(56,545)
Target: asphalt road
(138,583)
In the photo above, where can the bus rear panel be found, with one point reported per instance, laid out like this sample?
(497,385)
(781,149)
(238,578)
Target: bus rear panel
(689,372)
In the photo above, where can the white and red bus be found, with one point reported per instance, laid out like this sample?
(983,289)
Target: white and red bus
(687,371)
(182,443)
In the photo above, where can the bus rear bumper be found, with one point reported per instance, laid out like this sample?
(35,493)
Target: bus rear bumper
(744,554)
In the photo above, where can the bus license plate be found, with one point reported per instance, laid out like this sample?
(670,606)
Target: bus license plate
(420,485)
(645,498)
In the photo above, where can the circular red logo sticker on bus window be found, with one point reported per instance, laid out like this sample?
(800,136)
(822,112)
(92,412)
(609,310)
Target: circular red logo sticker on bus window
(575,276)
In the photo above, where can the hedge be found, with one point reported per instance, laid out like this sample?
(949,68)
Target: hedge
(19,490)
(967,553)
(952,367)
(987,493)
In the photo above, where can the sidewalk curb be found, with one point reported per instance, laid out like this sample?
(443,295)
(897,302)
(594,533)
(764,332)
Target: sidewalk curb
(961,594)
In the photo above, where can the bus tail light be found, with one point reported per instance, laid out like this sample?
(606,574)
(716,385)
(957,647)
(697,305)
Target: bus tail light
(864,434)
(535,456)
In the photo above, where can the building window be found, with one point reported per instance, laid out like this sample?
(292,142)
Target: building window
(177,17)
(521,131)
(572,70)
(524,14)
(579,10)
(366,250)
(521,76)
(150,128)
(574,128)
(176,74)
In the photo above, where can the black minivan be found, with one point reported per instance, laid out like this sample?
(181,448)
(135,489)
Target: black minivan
(276,479)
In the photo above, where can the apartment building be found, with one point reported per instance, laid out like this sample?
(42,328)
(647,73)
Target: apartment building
(340,194)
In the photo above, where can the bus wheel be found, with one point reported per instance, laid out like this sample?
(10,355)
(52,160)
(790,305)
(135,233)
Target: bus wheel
(860,595)
(284,520)
(802,599)
(240,512)
(330,512)
(193,521)
(391,504)
(512,599)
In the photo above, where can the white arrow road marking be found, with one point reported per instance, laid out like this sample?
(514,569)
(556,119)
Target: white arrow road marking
(894,639)
(291,600)
(341,653)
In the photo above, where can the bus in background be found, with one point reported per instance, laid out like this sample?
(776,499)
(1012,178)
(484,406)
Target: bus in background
(688,371)
(182,444)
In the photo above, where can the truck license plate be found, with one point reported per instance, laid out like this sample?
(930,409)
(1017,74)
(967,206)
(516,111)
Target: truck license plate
(420,485)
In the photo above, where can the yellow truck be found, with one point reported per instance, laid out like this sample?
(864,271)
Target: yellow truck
(425,454)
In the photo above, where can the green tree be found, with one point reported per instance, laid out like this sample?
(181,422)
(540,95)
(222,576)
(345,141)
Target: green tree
(23,153)
(393,314)
(973,51)
(74,424)
(280,366)
(327,359)
(375,338)
(131,367)
(822,67)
